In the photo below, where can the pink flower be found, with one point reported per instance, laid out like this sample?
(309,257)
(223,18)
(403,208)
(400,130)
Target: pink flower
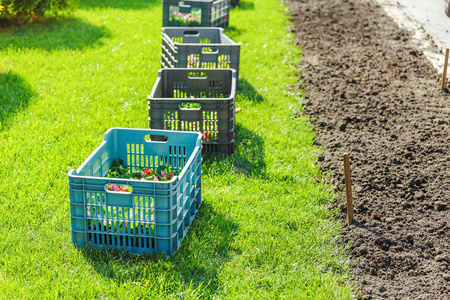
(163,174)
(171,175)
(156,178)
(88,213)
(116,188)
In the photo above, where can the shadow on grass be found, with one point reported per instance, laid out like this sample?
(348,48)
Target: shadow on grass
(119,4)
(247,159)
(246,5)
(204,251)
(52,35)
(14,96)
(249,92)
(234,32)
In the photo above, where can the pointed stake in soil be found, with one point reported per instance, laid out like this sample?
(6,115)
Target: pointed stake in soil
(444,74)
(348,189)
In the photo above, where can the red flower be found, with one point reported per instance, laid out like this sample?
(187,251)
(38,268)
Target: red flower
(146,172)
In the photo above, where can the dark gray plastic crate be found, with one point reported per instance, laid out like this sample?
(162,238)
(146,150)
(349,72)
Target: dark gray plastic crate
(210,93)
(197,13)
(198,47)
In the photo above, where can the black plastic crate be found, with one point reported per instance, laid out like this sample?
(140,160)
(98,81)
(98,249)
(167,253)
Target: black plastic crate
(197,13)
(201,100)
(199,47)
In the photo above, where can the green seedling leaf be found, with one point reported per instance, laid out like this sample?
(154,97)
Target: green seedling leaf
(123,171)
(117,162)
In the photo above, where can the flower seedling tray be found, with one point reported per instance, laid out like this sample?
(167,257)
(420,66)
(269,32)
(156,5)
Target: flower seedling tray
(198,47)
(137,215)
(196,13)
(201,100)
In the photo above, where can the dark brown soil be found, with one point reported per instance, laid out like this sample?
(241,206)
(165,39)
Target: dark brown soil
(373,94)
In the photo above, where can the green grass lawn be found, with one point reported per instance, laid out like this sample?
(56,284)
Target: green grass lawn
(265,229)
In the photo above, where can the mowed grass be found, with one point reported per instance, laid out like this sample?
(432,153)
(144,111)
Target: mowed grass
(265,229)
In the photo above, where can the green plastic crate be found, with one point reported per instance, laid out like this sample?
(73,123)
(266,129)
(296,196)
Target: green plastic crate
(152,218)
(198,47)
(197,13)
(201,100)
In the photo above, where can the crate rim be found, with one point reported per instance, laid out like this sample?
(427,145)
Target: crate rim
(152,97)
(72,172)
(202,1)
(222,31)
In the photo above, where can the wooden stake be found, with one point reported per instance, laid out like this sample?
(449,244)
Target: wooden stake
(348,189)
(444,74)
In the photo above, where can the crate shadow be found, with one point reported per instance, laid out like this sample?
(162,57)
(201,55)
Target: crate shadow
(248,157)
(15,95)
(118,4)
(245,5)
(208,249)
(248,92)
(234,32)
(70,33)
(197,262)
(234,3)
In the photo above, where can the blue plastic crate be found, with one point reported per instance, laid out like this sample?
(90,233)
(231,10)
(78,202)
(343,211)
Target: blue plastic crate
(155,216)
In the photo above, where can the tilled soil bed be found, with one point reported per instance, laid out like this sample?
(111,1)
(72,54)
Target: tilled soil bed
(374,95)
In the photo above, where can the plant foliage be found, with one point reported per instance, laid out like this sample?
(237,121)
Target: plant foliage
(23,11)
